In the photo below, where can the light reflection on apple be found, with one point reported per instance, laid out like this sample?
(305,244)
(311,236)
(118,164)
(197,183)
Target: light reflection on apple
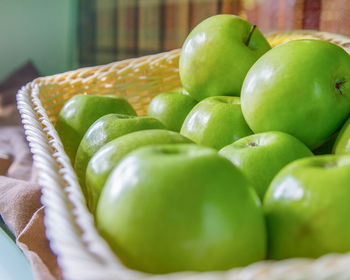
(289,188)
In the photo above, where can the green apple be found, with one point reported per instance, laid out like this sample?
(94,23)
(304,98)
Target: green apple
(307,208)
(217,55)
(216,122)
(302,88)
(261,156)
(171,108)
(342,142)
(103,131)
(168,208)
(106,158)
(81,111)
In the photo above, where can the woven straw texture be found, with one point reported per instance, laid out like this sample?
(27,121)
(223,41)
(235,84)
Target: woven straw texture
(82,253)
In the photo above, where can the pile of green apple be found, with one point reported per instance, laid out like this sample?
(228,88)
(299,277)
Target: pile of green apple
(250,160)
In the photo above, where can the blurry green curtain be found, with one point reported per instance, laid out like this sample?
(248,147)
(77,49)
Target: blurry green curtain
(110,30)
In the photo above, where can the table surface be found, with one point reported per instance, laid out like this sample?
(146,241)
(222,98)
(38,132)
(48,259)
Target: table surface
(13,264)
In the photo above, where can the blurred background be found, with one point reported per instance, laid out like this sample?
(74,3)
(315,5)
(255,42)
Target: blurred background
(41,37)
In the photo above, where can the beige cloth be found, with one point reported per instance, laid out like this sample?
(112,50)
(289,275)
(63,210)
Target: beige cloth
(20,204)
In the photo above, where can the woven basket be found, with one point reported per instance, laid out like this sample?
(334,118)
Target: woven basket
(82,253)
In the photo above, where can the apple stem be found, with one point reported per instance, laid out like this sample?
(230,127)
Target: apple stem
(250,34)
(339,84)
(252,144)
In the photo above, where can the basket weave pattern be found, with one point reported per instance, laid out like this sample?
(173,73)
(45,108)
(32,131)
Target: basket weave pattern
(82,253)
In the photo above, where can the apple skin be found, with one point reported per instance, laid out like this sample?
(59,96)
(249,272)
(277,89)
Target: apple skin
(342,142)
(108,157)
(156,221)
(216,122)
(171,108)
(81,111)
(215,58)
(104,130)
(261,156)
(307,208)
(302,88)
